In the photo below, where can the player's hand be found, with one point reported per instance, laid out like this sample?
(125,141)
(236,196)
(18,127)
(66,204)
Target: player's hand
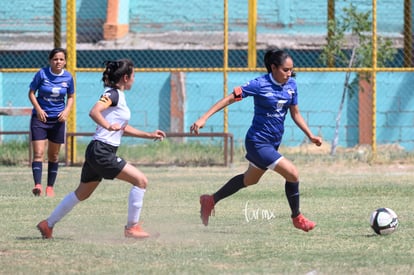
(115,127)
(316,140)
(63,116)
(41,115)
(197,126)
(159,135)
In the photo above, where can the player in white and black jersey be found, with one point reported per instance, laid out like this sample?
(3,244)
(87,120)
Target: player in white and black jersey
(111,115)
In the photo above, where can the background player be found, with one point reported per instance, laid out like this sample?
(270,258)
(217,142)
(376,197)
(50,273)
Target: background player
(48,123)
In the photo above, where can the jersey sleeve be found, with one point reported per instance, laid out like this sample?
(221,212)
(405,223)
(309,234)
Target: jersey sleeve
(251,88)
(248,89)
(110,98)
(71,89)
(293,91)
(36,81)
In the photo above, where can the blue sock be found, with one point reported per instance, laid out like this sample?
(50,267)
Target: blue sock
(37,171)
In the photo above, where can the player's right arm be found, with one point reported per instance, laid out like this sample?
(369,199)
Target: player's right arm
(219,105)
(41,115)
(96,114)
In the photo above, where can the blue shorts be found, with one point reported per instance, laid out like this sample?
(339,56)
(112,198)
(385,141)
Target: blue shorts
(262,155)
(101,162)
(52,130)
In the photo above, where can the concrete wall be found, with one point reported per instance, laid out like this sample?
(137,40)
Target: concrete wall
(149,101)
(284,16)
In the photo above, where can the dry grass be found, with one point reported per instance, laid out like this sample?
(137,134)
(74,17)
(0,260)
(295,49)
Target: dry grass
(338,195)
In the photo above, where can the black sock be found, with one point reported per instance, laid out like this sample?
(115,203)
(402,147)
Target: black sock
(232,186)
(292,195)
(37,171)
(52,170)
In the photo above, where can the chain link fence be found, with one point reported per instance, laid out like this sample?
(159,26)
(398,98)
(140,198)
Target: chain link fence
(189,57)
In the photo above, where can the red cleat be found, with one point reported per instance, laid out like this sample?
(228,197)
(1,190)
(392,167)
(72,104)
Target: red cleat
(135,232)
(45,230)
(303,223)
(50,192)
(207,208)
(37,190)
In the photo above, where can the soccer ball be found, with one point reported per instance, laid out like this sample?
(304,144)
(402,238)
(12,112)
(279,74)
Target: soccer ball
(384,221)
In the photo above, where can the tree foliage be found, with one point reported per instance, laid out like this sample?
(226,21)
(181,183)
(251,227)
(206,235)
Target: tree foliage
(353,29)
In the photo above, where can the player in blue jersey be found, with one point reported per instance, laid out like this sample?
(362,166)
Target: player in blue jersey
(111,115)
(53,86)
(274,94)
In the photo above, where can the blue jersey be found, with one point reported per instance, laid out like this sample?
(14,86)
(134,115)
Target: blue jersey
(271,104)
(52,90)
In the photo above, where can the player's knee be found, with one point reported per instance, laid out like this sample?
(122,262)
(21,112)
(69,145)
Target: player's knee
(141,182)
(38,156)
(53,155)
(293,178)
(82,196)
(293,175)
(53,158)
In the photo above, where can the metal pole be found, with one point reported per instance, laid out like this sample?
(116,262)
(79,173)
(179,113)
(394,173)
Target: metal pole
(57,23)
(71,67)
(408,36)
(252,23)
(225,62)
(331,17)
(374,78)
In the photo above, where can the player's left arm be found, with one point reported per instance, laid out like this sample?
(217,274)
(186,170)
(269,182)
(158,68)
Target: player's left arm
(63,116)
(301,123)
(134,132)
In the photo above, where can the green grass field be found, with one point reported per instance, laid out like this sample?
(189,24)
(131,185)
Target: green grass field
(251,232)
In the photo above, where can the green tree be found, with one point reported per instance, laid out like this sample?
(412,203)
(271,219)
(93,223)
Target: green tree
(350,45)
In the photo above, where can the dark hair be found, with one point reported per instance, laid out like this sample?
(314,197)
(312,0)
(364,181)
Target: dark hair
(276,57)
(115,70)
(55,51)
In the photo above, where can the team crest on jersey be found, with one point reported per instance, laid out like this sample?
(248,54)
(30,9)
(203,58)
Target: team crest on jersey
(280,104)
(291,92)
(64,84)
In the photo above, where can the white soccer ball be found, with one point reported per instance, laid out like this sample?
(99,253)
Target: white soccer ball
(384,221)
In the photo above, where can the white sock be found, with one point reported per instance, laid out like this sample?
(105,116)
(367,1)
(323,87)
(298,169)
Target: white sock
(135,202)
(64,207)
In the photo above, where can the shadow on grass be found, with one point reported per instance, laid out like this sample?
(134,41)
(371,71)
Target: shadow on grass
(31,238)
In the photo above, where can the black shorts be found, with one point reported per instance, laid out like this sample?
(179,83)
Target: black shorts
(52,129)
(101,162)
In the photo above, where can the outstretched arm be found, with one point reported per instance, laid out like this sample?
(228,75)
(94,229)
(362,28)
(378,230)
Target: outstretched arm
(300,121)
(214,109)
(134,132)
